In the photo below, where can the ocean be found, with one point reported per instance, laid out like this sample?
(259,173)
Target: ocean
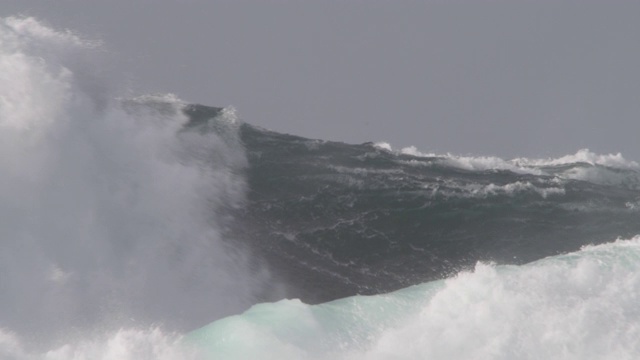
(146,227)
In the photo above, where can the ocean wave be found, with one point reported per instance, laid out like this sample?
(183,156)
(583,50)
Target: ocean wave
(127,221)
(576,306)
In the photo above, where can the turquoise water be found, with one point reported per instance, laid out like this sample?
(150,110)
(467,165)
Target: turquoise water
(582,305)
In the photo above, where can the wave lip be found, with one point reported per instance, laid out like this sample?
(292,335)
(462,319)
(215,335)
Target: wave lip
(583,156)
(608,169)
(581,305)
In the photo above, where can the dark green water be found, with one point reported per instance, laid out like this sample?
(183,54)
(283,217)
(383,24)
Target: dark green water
(335,219)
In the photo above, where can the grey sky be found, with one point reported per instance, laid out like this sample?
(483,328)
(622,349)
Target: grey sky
(507,78)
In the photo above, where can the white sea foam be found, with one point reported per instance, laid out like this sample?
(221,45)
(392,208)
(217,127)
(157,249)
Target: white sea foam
(616,161)
(581,306)
(472,163)
(383,145)
(477,190)
(551,187)
(106,212)
(452,189)
(577,306)
(609,169)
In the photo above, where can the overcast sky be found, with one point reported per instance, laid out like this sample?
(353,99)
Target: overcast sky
(508,78)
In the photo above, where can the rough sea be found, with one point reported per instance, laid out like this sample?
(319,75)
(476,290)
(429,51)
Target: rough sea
(146,227)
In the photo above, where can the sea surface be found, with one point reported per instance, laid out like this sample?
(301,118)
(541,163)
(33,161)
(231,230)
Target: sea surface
(145,227)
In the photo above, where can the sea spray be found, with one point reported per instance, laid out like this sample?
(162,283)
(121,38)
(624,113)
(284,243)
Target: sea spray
(108,212)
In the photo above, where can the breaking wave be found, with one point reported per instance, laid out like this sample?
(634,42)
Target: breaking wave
(126,222)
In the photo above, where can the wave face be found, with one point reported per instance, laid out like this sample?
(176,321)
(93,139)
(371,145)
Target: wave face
(336,220)
(126,223)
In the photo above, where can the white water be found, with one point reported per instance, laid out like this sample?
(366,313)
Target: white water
(491,162)
(609,169)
